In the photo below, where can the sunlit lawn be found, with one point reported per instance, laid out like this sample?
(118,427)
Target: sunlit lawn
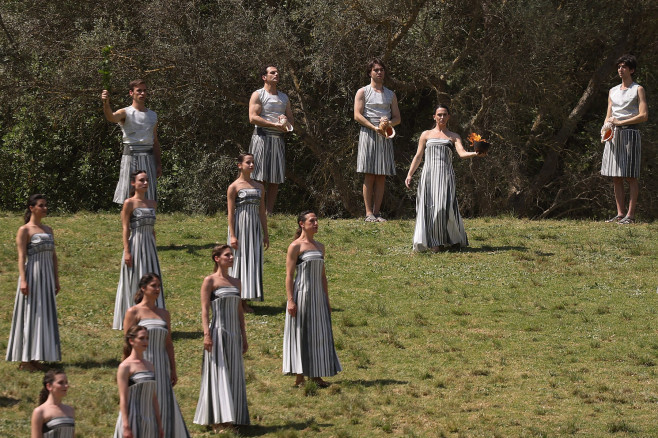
(538,329)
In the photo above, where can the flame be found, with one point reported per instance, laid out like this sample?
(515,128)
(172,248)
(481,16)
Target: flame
(473,137)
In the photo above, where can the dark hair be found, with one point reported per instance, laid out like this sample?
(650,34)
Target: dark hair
(31,202)
(216,252)
(372,63)
(439,106)
(301,218)
(134,83)
(130,334)
(629,61)
(48,379)
(133,178)
(242,156)
(263,70)
(143,282)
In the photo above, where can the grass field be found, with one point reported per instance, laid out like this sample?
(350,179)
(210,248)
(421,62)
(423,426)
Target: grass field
(538,329)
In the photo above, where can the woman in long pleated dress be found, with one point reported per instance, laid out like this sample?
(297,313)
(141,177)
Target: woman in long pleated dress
(140,255)
(139,413)
(438,222)
(52,418)
(247,231)
(223,395)
(160,351)
(308,341)
(34,334)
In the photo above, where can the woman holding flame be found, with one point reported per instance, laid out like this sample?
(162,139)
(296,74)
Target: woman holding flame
(438,222)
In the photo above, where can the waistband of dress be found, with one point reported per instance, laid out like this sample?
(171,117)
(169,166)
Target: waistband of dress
(260,131)
(623,127)
(135,149)
(375,120)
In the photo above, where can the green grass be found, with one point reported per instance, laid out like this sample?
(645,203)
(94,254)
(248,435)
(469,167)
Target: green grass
(538,329)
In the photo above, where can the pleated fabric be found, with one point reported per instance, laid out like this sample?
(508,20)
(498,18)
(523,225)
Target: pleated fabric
(136,157)
(622,155)
(308,340)
(59,427)
(141,415)
(248,258)
(438,222)
(269,151)
(375,154)
(34,331)
(156,353)
(145,261)
(223,394)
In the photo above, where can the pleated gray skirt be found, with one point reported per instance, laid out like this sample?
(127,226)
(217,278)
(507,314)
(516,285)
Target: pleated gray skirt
(136,157)
(621,156)
(269,151)
(375,153)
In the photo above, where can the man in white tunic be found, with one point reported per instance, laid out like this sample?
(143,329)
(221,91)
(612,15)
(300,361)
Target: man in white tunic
(270,112)
(375,104)
(141,147)
(627,106)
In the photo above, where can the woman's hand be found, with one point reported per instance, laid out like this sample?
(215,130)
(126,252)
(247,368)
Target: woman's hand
(127,431)
(234,242)
(292,308)
(56,287)
(245,345)
(407,182)
(266,242)
(174,378)
(128,259)
(24,289)
(207,342)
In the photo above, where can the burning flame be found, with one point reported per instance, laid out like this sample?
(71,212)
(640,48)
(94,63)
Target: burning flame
(473,137)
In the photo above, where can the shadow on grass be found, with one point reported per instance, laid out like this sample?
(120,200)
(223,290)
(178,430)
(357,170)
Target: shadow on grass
(258,430)
(277,310)
(369,383)
(267,310)
(175,335)
(190,249)
(88,364)
(488,248)
(6,402)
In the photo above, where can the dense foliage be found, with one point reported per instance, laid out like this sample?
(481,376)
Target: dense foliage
(532,76)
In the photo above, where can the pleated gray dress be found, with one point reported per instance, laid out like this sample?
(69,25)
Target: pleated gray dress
(223,394)
(375,153)
(248,258)
(142,418)
(34,331)
(438,222)
(156,353)
(59,427)
(308,340)
(137,152)
(622,154)
(145,261)
(267,145)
